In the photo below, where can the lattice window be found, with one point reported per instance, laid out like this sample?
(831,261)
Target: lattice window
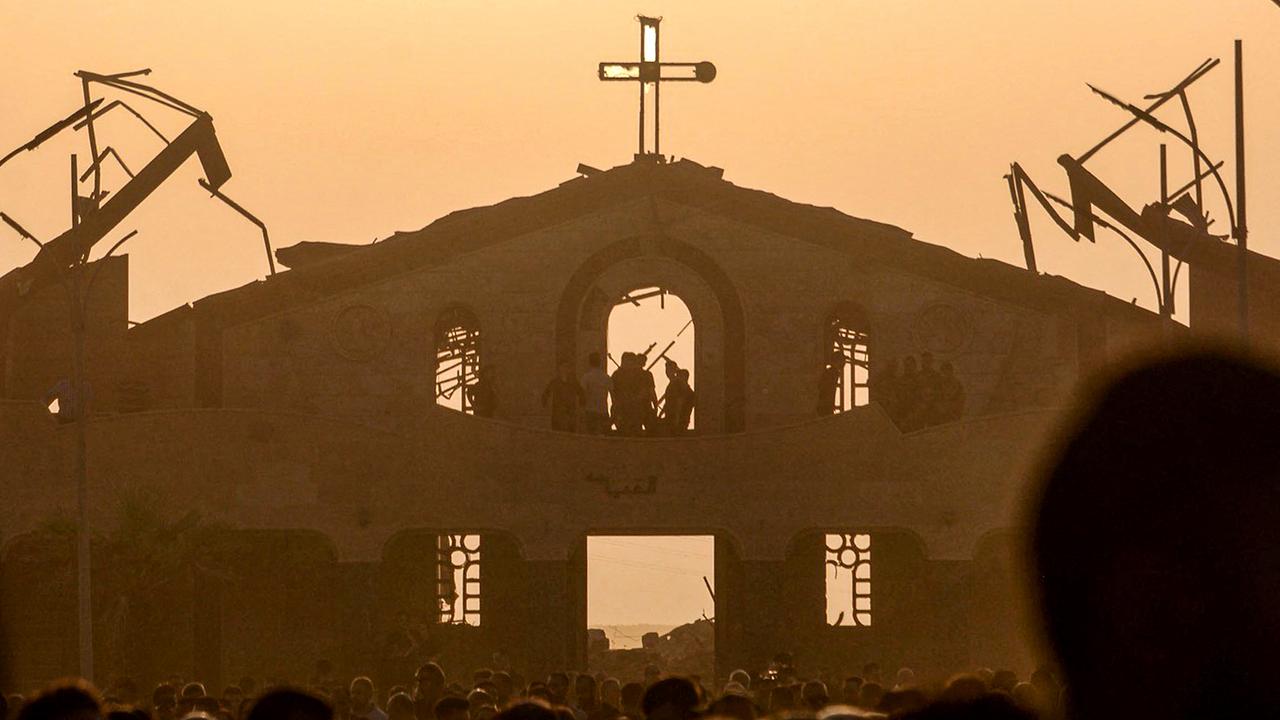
(458,578)
(848,570)
(848,347)
(457,359)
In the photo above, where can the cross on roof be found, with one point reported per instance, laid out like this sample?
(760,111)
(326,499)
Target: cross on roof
(651,73)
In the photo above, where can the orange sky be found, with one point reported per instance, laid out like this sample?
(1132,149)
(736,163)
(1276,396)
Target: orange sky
(348,121)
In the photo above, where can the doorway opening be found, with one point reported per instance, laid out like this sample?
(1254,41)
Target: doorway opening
(651,601)
(656,324)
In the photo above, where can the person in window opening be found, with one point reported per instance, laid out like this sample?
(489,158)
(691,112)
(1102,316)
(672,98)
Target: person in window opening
(678,400)
(633,395)
(596,385)
(829,384)
(481,394)
(565,396)
(647,399)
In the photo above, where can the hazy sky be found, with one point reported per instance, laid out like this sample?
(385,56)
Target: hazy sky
(648,579)
(348,121)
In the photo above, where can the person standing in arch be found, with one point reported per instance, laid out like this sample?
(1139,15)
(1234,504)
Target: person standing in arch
(646,395)
(677,401)
(481,394)
(627,385)
(829,383)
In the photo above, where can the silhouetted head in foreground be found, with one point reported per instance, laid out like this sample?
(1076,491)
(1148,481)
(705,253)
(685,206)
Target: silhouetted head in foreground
(66,700)
(290,705)
(674,698)
(1157,543)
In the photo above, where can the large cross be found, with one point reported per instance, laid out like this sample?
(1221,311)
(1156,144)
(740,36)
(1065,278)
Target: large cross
(650,73)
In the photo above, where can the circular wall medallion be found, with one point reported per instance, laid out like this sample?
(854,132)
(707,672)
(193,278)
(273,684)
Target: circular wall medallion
(361,332)
(941,329)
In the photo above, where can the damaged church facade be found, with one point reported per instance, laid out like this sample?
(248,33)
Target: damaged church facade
(339,501)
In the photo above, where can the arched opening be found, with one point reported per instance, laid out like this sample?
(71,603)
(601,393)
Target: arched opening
(656,325)
(457,344)
(661,261)
(846,375)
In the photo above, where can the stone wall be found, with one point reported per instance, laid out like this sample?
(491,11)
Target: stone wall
(370,354)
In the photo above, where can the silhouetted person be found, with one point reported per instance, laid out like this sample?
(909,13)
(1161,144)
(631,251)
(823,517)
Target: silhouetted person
(948,403)
(596,385)
(781,699)
(584,696)
(401,648)
(927,380)
(482,395)
(884,387)
(363,704)
(814,694)
(565,396)
(428,690)
(990,706)
(451,707)
(610,706)
(678,400)
(908,402)
(1157,541)
(400,707)
(558,687)
(870,695)
(164,701)
(632,394)
(632,695)
(733,705)
(829,383)
(648,398)
(674,698)
(285,704)
(850,693)
(68,700)
(528,710)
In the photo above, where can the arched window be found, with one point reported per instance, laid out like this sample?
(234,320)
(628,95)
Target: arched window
(847,369)
(656,325)
(457,339)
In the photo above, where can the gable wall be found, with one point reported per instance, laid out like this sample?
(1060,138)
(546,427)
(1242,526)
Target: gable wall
(369,353)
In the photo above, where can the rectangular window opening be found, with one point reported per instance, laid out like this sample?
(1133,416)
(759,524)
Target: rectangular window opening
(655,592)
(458,579)
(848,573)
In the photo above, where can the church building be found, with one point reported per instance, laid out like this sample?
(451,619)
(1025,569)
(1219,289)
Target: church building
(870,409)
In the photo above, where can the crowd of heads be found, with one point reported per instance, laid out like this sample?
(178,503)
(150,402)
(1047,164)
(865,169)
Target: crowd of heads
(777,692)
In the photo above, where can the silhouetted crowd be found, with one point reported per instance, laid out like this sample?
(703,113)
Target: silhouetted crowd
(626,401)
(776,692)
(918,395)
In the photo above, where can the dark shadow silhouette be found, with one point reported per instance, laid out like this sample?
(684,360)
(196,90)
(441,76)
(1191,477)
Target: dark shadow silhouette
(1157,542)
(290,705)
